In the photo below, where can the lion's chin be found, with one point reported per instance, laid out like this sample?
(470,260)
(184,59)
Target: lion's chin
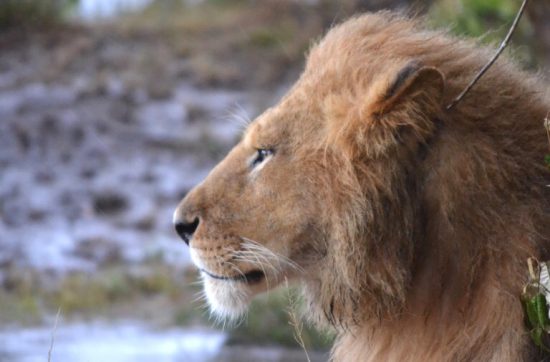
(228,299)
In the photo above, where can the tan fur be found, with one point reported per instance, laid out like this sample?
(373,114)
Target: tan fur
(408,226)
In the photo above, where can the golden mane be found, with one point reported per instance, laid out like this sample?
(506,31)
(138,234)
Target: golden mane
(434,213)
(408,226)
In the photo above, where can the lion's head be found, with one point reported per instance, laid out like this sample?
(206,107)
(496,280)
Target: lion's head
(394,215)
(310,190)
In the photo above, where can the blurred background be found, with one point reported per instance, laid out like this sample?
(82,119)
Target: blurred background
(110,111)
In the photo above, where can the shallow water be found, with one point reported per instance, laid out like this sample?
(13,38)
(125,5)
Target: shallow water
(124,342)
(135,342)
(94,9)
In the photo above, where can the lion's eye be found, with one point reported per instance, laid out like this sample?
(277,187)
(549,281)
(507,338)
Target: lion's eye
(261,155)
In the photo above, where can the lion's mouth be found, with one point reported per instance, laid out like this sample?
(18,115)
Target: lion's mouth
(252,277)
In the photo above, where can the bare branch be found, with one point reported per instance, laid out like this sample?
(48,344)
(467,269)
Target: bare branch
(497,54)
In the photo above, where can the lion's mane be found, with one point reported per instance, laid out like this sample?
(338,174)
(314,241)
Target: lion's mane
(432,213)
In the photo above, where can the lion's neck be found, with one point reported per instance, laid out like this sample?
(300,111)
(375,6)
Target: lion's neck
(432,339)
(482,323)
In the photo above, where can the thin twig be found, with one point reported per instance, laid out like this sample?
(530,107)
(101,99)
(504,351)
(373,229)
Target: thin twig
(499,51)
(53,334)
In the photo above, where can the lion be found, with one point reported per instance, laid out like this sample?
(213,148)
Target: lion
(406,225)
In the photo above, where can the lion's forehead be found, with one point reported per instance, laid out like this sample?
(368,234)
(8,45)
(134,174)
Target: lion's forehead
(249,138)
(267,129)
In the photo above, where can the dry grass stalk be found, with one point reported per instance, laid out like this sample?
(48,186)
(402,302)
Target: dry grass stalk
(53,334)
(295,322)
(547,126)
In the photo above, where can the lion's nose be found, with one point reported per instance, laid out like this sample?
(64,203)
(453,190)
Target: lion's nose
(186,229)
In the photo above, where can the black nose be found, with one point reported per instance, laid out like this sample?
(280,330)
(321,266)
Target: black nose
(186,230)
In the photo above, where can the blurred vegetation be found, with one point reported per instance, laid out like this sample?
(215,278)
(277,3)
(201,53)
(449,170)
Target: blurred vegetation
(19,309)
(271,320)
(24,14)
(488,20)
(153,292)
(243,43)
(240,43)
(474,17)
(232,43)
(116,291)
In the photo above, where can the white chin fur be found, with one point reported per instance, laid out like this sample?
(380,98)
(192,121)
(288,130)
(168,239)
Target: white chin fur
(227,300)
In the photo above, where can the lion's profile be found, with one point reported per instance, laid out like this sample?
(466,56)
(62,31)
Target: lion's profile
(407,225)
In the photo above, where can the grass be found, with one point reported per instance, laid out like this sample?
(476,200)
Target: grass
(19,309)
(113,290)
(113,287)
(155,293)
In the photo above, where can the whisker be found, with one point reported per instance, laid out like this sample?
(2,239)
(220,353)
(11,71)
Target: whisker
(200,297)
(260,259)
(274,261)
(259,264)
(254,245)
(239,116)
(195,283)
(243,115)
(236,268)
(256,258)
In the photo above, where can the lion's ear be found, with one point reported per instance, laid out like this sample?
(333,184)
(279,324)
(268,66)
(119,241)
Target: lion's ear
(413,85)
(399,105)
